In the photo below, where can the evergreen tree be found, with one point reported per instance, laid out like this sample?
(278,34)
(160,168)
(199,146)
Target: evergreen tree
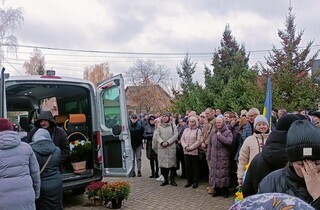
(227,84)
(185,73)
(289,67)
(190,96)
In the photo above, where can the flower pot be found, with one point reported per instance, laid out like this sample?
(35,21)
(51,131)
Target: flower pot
(116,203)
(79,167)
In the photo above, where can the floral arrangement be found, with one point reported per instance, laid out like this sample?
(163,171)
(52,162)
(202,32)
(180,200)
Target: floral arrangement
(80,150)
(114,191)
(94,188)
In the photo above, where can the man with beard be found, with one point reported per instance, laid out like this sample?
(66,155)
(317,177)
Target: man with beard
(58,135)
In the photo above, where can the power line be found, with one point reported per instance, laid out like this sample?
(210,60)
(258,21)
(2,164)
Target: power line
(141,53)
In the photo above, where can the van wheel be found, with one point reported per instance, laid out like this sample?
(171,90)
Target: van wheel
(78,191)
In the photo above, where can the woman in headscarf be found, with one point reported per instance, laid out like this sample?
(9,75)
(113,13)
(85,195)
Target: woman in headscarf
(48,156)
(218,154)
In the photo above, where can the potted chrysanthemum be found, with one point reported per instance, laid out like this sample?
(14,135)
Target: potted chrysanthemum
(115,192)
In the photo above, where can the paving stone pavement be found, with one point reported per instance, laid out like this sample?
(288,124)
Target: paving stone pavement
(146,193)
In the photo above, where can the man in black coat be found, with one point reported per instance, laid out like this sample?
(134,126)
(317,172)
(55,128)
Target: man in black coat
(58,135)
(272,157)
(136,135)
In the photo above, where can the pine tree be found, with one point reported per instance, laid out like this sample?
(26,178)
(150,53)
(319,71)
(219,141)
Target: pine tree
(227,84)
(185,73)
(289,67)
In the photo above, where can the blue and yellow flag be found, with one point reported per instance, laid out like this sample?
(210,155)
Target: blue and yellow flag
(267,109)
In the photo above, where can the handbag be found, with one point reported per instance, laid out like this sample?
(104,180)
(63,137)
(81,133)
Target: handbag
(45,164)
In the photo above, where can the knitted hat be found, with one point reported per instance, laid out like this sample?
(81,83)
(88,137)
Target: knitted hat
(260,118)
(5,125)
(303,141)
(285,122)
(166,114)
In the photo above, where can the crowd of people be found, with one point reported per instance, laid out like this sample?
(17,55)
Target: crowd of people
(225,150)
(228,150)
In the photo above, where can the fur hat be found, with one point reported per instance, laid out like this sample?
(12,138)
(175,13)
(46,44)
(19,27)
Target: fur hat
(285,122)
(260,118)
(5,125)
(303,141)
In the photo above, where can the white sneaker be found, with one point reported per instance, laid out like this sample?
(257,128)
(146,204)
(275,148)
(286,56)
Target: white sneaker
(160,178)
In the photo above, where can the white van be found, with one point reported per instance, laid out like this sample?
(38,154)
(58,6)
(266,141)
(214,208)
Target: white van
(103,110)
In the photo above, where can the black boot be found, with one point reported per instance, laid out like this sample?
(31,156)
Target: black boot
(217,192)
(195,185)
(173,173)
(225,192)
(133,174)
(166,181)
(139,174)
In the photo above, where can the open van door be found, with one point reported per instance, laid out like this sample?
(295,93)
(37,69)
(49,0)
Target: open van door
(116,151)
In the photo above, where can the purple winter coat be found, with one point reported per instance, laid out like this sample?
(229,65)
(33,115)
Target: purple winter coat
(19,173)
(218,155)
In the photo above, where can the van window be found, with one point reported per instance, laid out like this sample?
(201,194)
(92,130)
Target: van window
(49,104)
(111,106)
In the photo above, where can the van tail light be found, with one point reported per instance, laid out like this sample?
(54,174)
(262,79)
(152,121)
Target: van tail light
(98,136)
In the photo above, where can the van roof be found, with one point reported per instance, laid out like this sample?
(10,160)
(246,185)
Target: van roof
(48,78)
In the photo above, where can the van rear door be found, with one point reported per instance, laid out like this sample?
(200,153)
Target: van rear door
(115,142)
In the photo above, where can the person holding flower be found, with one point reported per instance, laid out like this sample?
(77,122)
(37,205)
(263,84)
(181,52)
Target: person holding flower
(253,145)
(51,178)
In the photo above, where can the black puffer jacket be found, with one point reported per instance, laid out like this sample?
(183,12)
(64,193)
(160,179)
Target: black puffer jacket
(286,181)
(272,157)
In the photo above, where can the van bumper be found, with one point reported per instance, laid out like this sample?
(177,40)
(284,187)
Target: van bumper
(82,183)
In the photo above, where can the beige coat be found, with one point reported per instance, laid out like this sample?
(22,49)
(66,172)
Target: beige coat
(191,138)
(251,147)
(166,132)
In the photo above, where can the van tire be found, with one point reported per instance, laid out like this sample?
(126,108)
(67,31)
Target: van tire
(78,191)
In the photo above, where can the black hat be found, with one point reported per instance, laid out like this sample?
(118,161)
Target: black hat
(285,122)
(152,117)
(303,141)
(317,114)
(134,116)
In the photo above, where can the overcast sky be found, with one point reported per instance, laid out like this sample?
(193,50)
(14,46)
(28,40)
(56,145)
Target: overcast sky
(152,26)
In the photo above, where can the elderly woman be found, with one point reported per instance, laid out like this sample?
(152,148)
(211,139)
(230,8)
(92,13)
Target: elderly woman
(19,171)
(48,156)
(218,153)
(166,136)
(253,145)
(190,142)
